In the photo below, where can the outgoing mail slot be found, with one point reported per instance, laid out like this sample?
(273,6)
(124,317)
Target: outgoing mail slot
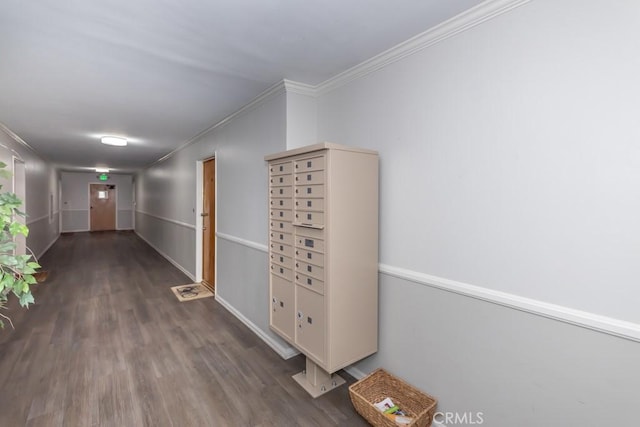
(312,218)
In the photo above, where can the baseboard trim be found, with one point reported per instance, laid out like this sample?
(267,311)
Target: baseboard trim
(44,251)
(168,258)
(596,322)
(283,351)
(355,372)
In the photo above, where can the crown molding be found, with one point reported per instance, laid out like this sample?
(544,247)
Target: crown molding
(464,21)
(276,89)
(20,141)
(468,19)
(300,88)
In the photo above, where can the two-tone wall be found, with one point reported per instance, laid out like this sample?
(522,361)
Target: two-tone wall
(509,235)
(41,191)
(75,200)
(508,208)
(168,214)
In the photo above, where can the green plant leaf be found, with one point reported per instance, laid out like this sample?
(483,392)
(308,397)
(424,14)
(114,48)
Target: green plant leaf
(26,299)
(16,227)
(9,260)
(7,246)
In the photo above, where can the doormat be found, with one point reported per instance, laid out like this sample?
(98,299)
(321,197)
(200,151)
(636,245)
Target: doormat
(191,292)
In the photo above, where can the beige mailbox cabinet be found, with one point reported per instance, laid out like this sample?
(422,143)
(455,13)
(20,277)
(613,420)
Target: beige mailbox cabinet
(323,249)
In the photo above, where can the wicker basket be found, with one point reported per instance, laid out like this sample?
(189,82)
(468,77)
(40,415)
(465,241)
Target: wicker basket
(380,384)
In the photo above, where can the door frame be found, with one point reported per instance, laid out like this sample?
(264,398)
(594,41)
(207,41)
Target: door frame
(199,220)
(89,201)
(19,188)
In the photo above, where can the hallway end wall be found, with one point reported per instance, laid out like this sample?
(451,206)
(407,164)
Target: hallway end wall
(75,200)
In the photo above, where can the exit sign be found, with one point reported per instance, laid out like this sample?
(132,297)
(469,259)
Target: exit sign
(103,177)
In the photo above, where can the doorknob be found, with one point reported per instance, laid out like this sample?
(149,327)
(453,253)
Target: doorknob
(204,214)
(204,228)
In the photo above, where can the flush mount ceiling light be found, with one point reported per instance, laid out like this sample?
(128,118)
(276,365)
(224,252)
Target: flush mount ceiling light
(102,170)
(114,140)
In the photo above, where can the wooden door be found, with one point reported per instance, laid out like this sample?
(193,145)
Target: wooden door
(102,207)
(209,223)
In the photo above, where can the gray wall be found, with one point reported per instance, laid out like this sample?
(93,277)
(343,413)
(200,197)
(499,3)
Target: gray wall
(509,232)
(168,219)
(75,200)
(509,157)
(41,181)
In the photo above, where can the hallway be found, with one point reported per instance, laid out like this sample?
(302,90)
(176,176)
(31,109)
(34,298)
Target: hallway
(108,344)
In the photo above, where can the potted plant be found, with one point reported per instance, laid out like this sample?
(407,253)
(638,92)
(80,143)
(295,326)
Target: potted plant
(16,270)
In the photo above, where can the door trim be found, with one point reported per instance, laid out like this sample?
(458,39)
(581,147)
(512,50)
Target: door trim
(199,220)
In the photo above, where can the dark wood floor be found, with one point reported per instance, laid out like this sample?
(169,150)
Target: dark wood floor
(108,344)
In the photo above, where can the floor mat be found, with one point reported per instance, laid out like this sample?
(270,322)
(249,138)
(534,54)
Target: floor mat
(191,292)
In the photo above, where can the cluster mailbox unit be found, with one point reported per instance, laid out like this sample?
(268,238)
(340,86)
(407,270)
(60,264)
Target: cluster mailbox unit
(323,248)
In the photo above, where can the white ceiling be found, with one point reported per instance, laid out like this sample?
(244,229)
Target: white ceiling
(162,71)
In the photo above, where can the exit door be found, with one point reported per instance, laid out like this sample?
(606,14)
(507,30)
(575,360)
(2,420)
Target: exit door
(102,207)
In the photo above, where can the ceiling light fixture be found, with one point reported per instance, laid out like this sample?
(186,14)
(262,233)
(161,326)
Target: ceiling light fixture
(102,170)
(114,140)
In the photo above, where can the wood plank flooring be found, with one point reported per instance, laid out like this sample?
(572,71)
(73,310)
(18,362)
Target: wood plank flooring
(108,344)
